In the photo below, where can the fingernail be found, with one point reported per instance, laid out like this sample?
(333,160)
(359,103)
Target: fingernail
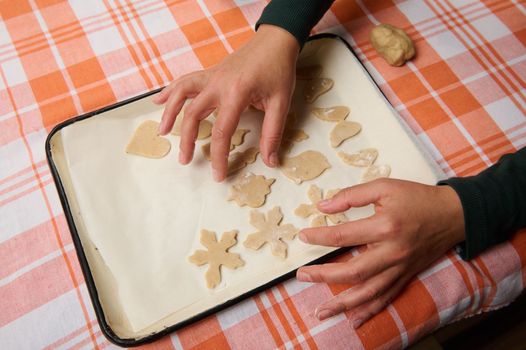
(323,314)
(273,159)
(357,323)
(216,176)
(182,158)
(303,237)
(303,276)
(324,202)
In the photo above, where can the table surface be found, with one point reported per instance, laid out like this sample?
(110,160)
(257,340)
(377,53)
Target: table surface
(464,96)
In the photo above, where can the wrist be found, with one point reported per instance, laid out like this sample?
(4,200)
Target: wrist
(453,215)
(281,39)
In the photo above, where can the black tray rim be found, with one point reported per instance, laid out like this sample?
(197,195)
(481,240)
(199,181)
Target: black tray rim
(86,271)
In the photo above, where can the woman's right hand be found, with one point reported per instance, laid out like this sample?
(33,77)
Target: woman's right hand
(261,73)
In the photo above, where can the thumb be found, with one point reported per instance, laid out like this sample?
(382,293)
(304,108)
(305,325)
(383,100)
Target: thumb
(272,130)
(355,196)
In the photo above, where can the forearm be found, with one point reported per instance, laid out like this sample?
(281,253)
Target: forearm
(494,203)
(298,17)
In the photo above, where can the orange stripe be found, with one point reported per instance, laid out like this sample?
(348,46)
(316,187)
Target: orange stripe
(282,319)
(139,42)
(22,183)
(50,211)
(40,185)
(68,337)
(464,274)
(150,41)
(489,47)
(474,53)
(129,46)
(84,342)
(21,172)
(297,317)
(268,321)
(485,271)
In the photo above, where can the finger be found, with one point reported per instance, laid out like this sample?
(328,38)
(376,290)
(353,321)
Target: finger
(272,130)
(357,270)
(163,95)
(199,109)
(365,312)
(355,196)
(352,233)
(186,87)
(358,295)
(222,131)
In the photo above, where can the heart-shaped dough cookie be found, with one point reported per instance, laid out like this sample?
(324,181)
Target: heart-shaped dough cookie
(362,159)
(147,143)
(343,131)
(375,172)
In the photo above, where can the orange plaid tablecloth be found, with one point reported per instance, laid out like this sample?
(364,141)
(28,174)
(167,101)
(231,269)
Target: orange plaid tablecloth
(464,96)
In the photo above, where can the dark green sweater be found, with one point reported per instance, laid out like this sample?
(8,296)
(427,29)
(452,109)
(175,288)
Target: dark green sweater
(494,201)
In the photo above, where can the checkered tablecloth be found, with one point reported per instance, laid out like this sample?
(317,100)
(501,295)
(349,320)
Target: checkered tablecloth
(463,96)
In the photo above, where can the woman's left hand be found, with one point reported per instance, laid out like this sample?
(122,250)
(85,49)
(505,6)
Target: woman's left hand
(413,225)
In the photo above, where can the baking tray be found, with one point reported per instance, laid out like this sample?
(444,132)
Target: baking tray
(409,161)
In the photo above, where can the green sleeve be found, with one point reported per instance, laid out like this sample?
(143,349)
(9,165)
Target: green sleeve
(297,17)
(494,203)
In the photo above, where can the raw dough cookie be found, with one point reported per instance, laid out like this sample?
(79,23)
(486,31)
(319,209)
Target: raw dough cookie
(290,137)
(307,165)
(205,128)
(147,143)
(375,172)
(317,87)
(331,114)
(308,72)
(270,231)
(251,190)
(320,219)
(237,139)
(363,158)
(392,44)
(216,255)
(343,131)
(239,160)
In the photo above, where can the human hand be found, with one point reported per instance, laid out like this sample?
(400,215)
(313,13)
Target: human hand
(261,73)
(413,225)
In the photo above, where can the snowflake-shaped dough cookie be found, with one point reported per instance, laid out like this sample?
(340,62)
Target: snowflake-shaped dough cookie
(270,231)
(315,195)
(216,255)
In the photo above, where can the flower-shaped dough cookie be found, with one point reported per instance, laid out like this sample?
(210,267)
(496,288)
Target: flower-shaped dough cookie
(270,231)
(315,195)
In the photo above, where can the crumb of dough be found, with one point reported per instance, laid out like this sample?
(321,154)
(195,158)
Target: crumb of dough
(238,138)
(343,131)
(331,114)
(239,160)
(392,43)
(315,195)
(250,190)
(205,129)
(317,87)
(364,158)
(375,172)
(307,165)
(308,72)
(147,143)
(216,255)
(270,231)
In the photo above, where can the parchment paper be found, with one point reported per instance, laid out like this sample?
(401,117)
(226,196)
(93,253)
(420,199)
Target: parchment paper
(143,216)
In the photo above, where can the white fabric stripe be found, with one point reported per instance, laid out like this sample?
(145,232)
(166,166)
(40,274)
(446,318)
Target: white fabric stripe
(33,265)
(58,59)
(33,183)
(40,168)
(215,26)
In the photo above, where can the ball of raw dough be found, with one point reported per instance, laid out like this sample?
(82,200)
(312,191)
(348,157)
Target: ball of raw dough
(392,44)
